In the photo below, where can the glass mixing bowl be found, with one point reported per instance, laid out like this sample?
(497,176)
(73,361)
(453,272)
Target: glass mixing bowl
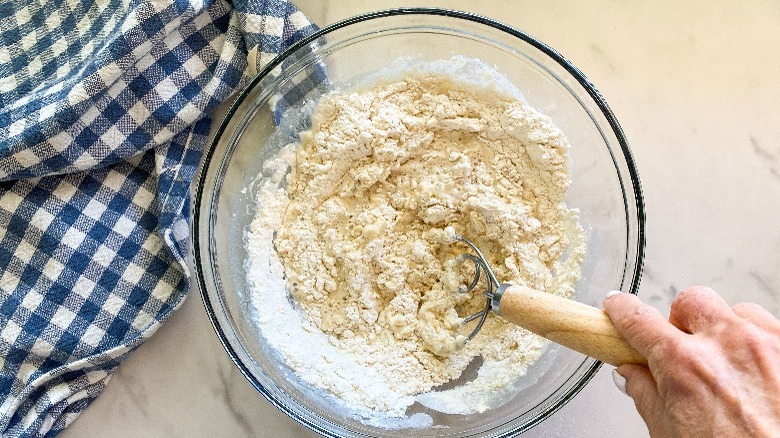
(605,189)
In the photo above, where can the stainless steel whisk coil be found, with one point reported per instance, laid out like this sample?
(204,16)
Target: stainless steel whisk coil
(493,290)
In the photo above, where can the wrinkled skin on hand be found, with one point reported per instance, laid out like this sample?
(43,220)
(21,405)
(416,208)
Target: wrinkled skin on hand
(713,370)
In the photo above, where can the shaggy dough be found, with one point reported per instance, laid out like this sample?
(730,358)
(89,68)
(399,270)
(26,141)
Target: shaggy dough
(375,192)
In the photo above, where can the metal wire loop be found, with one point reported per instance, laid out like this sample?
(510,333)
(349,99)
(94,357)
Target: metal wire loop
(480,264)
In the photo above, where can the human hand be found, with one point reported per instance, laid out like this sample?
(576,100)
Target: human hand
(713,370)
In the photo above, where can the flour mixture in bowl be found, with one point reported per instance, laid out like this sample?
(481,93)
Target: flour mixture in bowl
(356,224)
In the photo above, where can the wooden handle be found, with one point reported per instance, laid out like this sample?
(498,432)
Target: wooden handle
(578,326)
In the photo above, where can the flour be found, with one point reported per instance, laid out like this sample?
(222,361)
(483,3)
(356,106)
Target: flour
(359,219)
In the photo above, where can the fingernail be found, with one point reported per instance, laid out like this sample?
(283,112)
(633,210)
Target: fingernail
(613,292)
(620,381)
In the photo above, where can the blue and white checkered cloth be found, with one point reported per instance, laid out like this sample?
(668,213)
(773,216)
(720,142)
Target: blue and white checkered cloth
(104,113)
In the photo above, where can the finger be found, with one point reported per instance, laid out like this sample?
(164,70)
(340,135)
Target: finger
(758,315)
(642,325)
(641,386)
(696,308)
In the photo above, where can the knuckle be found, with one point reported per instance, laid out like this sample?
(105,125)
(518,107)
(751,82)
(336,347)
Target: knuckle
(698,290)
(635,317)
(617,304)
(621,310)
(683,301)
(687,294)
(682,369)
(749,307)
(693,294)
(754,339)
(669,350)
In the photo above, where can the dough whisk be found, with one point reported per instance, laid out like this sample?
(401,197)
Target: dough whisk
(575,325)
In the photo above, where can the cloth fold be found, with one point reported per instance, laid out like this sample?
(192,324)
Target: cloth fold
(104,114)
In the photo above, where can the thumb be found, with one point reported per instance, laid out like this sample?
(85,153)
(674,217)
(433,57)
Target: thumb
(641,386)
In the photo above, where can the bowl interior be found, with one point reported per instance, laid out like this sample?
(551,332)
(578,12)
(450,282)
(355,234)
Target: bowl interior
(604,189)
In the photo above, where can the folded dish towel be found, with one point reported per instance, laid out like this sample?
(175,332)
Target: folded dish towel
(104,113)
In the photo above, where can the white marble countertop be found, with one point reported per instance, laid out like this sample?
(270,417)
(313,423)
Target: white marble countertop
(695,87)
